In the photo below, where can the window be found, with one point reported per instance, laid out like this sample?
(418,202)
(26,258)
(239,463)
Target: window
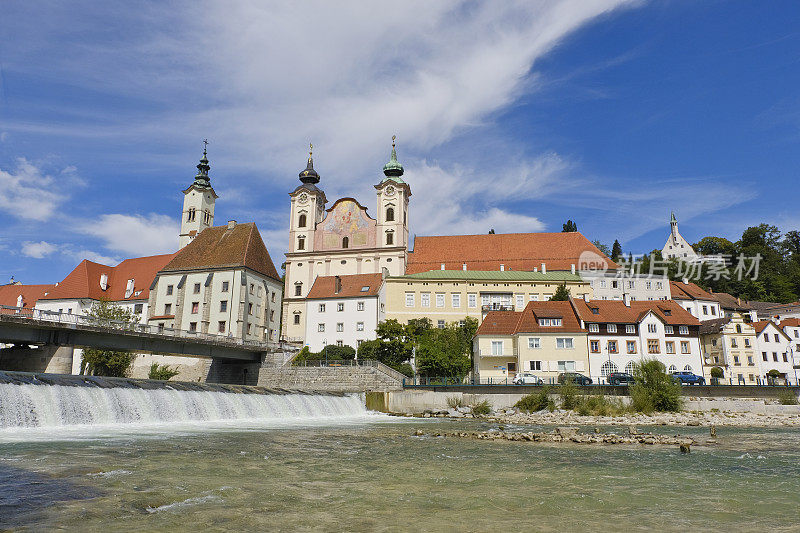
(497,347)
(339,343)
(612,347)
(607,368)
(520,301)
(594,328)
(713,342)
(659,285)
(321,328)
(550,322)
(738,328)
(192,326)
(777,338)
(339,327)
(785,359)
(439,299)
(272,296)
(340,307)
(297,319)
(249,329)
(472,300)
(672,369)
(750,360)
(533,343)
(301,243)
(648,285)
(651,328)
(615,284)
(197,288)
(631,346)
(170,288)
(252,288)
(534,297)
(612,328)
(602,284)
(409,299)
(775,356)
(250,309)
(630,329)
(705,309)
(223,306)
(535,365)
(195,307)
(137,308)
(301,221)
(764,356)
(455,300)
(359,326)
(359,306)
(733,343)
(167,309)
(669,347)
(653,346)
(160,327)
(389,214)
(747,343)
(425,299)
(272,316)
(713,310)
(321,308)
(631,284)
(766,337)
(440,324)
(566,366)
(221,326)
(345,242)
(685,347)
(564,343)
(683,330)
(594,346)
(389,237)
(687,368)
(667,329)
(225,286)
(298,289)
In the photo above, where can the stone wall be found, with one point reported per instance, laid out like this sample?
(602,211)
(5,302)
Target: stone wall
(49,359)
(340,379)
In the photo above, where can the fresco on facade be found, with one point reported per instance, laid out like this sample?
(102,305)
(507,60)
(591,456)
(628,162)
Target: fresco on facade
(346,219)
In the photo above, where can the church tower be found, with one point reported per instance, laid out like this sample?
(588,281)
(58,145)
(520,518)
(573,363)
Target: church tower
(198,203)
(307,208)
(393,195)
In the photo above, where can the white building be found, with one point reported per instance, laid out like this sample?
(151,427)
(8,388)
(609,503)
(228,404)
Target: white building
(198,204)
(344,310)
(641,287)
(623,333)
(700,303)
(342,240)
(775,352)
(222,282)
(676,246)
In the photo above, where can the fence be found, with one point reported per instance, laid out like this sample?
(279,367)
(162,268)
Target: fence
(423,381)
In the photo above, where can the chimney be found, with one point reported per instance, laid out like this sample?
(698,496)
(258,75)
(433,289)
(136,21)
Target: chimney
(586,297)
(544,269)
(753,316)
(572,268)
(337,285)
(231,224)
(685,281)
(626,297)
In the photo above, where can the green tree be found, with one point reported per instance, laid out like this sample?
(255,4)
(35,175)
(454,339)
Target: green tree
(602,247)
(162,372)
(616,251)
(654,389)
(108,362)
(562,294)
(569,226)
(443,352)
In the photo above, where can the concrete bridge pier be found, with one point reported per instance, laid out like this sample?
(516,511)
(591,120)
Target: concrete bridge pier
(48,358)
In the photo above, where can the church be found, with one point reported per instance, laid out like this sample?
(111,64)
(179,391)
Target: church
(342,239)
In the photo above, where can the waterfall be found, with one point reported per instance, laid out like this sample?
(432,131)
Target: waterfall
(62,406)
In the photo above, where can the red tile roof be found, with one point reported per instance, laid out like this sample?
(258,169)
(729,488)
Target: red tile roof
(351,286)
(793,322)
(615,311)
(84,280)
(30,294)
(516,251)
(499,323)
(527,320)
(223,247)
(761,325)
(689,291)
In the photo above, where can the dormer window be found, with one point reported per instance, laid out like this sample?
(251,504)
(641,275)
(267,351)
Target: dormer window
(129,288)
(103,281)
(301,221)
(390,214)
(595,310)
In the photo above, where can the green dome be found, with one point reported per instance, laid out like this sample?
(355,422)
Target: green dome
(393,169)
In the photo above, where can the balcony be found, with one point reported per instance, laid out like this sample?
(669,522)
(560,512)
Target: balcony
(496,307)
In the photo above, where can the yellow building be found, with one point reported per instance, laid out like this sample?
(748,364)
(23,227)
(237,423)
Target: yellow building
(450,295)
(729,343)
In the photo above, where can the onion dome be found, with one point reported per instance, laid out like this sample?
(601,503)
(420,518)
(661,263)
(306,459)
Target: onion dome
(309,175)
(393,169)
(202,179)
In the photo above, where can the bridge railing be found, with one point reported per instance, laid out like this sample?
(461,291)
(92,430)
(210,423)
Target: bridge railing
(72,320)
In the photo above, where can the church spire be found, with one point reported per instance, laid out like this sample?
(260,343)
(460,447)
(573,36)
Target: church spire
(393,169)
(202,179)
(309,175)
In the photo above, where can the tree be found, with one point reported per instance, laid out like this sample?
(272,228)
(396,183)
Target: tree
(442,352)
(162,372)
(108,362)
(602,247)
(616,250)
(654,389)
(562,294)
(569,226)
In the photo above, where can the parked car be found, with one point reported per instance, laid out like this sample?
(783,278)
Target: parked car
(688,378)
(620,378)
(526,378)
(574,377)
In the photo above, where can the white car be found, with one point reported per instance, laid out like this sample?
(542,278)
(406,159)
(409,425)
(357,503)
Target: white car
(526,378)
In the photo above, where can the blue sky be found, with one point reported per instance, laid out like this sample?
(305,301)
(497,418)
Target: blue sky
(513,116)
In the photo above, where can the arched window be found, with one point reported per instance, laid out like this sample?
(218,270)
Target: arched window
(687,368)
(301,222)
(190,216)
(301,243)
(345,242)
(390,214)
(389,237)
(207,217)
(298,289)
(607,368)
(672,369)
(629,367)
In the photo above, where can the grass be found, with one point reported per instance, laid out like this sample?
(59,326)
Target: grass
(454,402)
(482,408)
(600,405)
(536,401)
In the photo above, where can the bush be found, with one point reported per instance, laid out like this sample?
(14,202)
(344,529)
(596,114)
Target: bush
(162,372)
(600,405)
(568,392)
(454,402)
(482,408)
(654,389)
(787,397)
(536,401)
(717,372)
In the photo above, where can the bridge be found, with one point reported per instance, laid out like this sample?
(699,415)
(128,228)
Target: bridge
(20,325)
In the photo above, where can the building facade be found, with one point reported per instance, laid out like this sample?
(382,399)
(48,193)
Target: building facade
(610,286)
(344,310)
(676,246)
(701,304)
(343,239)
(729,343)
(775,353)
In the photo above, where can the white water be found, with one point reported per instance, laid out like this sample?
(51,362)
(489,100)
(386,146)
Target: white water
(44,408)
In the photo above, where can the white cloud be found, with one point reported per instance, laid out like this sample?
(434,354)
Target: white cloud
(26,193)
(134,235)
(38,250)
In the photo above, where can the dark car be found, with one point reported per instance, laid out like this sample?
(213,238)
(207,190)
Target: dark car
(688,378)
(620,378)
(574,377)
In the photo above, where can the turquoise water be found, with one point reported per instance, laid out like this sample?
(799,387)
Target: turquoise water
(371,474)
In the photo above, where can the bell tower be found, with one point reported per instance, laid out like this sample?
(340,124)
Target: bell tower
(307,209)
(393,195)
(198,203)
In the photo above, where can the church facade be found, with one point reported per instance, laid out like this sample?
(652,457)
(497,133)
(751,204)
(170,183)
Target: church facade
(676,246)
(342,239)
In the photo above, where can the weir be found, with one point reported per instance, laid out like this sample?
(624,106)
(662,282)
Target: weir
(51,401)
